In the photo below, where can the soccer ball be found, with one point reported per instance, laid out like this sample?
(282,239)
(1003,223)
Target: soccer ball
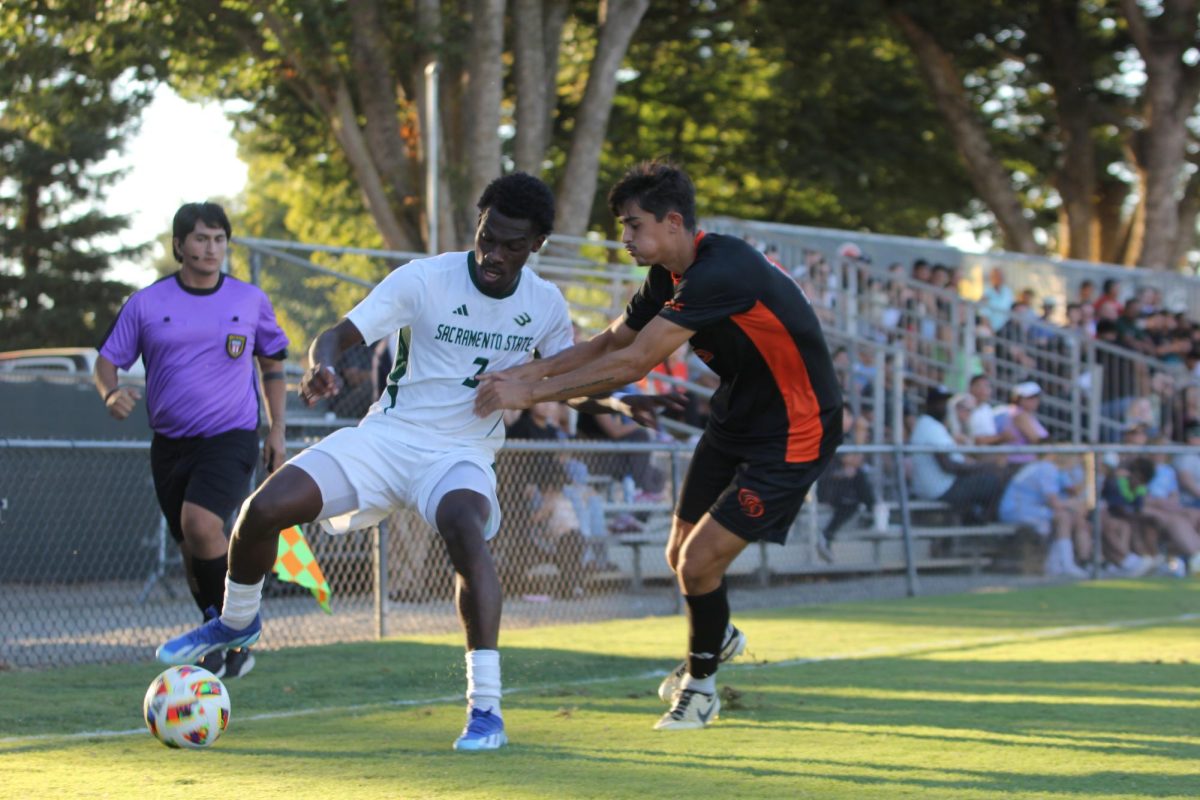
(186,707)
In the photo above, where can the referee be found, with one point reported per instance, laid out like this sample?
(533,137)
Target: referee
(198,333)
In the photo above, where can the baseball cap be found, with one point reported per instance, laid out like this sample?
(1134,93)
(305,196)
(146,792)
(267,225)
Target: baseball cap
(1027,389)
(938,392)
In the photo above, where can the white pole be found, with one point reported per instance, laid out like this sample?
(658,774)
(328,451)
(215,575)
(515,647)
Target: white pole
(432,107)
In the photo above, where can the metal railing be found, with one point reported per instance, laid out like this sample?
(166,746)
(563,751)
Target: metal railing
(90,575)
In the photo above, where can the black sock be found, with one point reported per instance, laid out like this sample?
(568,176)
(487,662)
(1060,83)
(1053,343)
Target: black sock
(210,582)
(708,616)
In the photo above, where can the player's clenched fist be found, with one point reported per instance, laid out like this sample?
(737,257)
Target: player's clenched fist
(318,382)
(497,395)
(121,402)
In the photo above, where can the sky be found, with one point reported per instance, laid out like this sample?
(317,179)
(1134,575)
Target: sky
(184,152)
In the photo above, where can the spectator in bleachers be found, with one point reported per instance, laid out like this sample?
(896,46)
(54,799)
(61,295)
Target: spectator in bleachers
(556,531)
(1022,424)
(1187,466)
(1163,507)
(649,481)
(1108,304)
(982,423)
(1087,293)
(845,486)
(1131,329)
(1124,492)
(958,417)
(1078,322)
(970,487)
(997,299)
(1044,494)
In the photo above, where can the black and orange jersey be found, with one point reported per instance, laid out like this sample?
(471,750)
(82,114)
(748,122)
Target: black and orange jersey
(779,397)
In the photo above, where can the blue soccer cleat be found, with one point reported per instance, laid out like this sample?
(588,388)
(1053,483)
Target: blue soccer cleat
(209,637)
(484,731)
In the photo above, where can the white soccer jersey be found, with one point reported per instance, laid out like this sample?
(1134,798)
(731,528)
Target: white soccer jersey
(450,333)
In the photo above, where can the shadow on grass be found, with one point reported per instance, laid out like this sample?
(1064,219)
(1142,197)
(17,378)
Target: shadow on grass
(1075,604)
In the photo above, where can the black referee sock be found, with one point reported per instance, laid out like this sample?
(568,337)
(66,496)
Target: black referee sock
(708,616)
(210,581)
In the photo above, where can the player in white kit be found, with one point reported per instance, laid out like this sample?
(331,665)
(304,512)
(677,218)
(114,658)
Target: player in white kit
(421,443)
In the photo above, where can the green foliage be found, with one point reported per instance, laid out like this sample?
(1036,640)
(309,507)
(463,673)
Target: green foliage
(815,118)
(71,92)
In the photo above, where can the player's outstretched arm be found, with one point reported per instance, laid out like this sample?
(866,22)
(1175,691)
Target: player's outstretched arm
(614,337)
(119,400)
(613,370)
(320,380)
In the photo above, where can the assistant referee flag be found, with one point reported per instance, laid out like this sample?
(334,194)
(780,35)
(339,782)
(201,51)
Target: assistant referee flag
(296,563)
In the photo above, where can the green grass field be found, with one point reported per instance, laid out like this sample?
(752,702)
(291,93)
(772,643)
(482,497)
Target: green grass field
(1081,691)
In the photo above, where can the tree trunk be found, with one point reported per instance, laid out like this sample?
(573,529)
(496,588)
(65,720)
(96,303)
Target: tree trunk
(554,18)
(529,70)
(1068,71)
(1169,96)
(1110,229)
(484,92)
(344,122)
(985,171)
(380,97)
(619,20)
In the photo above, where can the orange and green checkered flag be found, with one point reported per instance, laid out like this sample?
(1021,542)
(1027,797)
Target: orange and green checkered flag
(296,563)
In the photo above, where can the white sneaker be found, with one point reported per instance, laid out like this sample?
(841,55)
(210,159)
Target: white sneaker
(691,709)
(735,645)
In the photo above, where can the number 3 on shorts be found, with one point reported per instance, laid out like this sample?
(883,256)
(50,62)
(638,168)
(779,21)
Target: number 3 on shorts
(471,382)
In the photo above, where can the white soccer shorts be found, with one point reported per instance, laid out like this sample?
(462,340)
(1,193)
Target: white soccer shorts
(366,472)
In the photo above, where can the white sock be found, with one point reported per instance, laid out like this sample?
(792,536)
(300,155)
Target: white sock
(707,685)
(242,602)
(1131,561)
(483,680)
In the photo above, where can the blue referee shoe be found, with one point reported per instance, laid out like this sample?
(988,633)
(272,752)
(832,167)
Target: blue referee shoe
(209,637)
(484,731)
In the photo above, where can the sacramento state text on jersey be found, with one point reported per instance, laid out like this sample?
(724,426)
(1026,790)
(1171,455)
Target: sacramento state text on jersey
(477,339)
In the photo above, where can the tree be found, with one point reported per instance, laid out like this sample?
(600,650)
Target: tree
(70,97)
(345,81)
(1063,76)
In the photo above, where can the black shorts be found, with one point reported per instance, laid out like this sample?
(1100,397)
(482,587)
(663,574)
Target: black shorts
(757,500)
(214,472)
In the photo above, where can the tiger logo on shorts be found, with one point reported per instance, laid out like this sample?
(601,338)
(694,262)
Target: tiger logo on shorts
(751,503)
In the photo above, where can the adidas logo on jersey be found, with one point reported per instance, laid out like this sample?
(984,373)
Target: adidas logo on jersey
(462,310)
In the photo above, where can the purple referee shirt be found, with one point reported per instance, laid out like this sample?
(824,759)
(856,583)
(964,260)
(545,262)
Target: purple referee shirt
(198,346)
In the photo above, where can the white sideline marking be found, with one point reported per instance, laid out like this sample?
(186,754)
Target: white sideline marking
(1033,635)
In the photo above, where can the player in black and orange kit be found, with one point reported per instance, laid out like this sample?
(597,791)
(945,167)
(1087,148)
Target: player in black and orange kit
(776,418)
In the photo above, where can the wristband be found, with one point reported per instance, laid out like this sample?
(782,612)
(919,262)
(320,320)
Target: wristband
(111,392)
(277,375)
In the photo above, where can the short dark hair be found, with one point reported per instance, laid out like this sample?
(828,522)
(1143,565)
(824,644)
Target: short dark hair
(521,196)
(659,187)
(1142,468)
(977,377)
(189,214)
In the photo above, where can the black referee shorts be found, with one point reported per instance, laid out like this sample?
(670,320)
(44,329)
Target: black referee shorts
(757,500)
(214,472)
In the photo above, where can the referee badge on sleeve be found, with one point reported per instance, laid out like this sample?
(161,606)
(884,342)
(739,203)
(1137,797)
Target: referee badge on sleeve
(235,344)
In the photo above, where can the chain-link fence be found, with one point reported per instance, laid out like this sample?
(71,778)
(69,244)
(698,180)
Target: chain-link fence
(90,573)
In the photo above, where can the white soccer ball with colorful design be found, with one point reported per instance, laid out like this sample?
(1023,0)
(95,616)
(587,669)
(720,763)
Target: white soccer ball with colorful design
(186,707)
